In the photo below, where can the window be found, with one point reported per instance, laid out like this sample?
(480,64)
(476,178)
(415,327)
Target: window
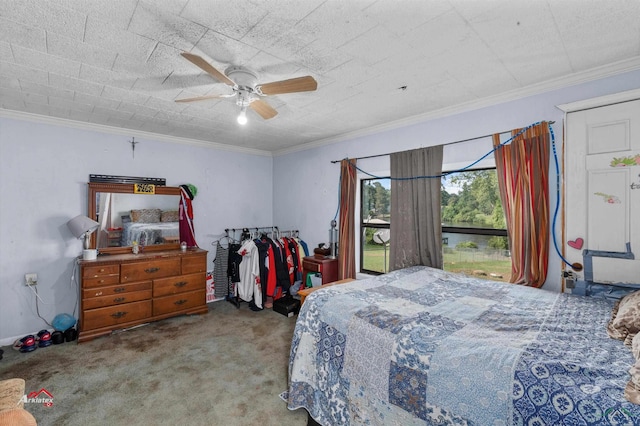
(474,236)
(375,208)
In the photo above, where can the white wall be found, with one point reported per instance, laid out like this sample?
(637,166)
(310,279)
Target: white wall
(44,171)
(306,182)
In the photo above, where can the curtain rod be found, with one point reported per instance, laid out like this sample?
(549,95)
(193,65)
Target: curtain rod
(450,143)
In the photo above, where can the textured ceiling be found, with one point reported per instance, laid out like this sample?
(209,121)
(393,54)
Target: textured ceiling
(118,62)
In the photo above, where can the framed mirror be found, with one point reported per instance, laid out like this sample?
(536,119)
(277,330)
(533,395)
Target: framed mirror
(127,214)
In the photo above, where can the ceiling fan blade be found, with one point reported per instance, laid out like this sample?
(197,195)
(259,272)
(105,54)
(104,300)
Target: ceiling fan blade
(203,98)
(265,110)
(299,84)
(207,67)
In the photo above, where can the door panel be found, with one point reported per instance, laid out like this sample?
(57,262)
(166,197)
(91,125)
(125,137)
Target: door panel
(607,205)
(609,137)
(602,189)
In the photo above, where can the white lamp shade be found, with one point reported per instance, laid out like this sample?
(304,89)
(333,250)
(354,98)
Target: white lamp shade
(80,225)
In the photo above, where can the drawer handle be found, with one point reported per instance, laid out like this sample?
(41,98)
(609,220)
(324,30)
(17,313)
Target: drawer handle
(180,284)
(180,302)
(119,299)
(119,290)
(151,270)
(99,293)
(118,315)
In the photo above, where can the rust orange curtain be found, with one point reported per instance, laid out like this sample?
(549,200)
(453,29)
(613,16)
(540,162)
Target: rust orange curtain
(347,229)
(523,178)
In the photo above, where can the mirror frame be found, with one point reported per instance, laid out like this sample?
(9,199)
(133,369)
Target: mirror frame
(125,188)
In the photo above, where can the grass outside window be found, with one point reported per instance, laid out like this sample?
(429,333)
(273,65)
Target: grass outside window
(488,264)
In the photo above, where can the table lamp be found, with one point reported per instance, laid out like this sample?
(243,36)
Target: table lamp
(82,226)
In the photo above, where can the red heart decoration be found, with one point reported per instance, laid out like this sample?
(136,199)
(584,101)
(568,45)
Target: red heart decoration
(576,244)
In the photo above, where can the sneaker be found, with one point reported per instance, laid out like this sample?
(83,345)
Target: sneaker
(44,338)
(26,344)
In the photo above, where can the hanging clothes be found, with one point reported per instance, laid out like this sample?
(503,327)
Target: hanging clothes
(288,258)
(220,277)
(233,265)
(268,275)
(233,273)
(267,270)
(185,215)
(282,273)
(279,266)
(300,255)
(304,247)
(249,288)
(297,265)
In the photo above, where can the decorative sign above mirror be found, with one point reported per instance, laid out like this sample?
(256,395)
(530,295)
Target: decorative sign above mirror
(126,179)
(144,188)
(147,215)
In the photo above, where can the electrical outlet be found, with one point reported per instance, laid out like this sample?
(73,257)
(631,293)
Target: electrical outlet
(31,279)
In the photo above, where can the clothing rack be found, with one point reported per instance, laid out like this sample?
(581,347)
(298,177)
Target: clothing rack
(239,235)
(255,231)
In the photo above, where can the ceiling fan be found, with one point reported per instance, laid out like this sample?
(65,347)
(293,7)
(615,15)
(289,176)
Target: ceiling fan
(246,89)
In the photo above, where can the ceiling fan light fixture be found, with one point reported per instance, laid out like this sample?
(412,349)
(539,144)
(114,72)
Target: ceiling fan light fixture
(246,90)
(242,117)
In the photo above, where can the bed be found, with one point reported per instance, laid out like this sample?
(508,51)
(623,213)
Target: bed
(422,346)
(150,226)
(148,234)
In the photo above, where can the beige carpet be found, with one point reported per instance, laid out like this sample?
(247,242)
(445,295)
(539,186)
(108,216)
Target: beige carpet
(227,367)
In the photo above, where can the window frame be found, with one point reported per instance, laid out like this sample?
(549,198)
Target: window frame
(444,229)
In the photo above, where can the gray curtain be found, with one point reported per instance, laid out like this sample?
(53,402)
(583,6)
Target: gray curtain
(416,228)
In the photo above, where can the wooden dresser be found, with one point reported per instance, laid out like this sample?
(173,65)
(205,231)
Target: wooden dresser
(123,290)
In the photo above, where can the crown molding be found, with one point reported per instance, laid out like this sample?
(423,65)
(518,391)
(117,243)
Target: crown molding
(597,73)
(616,98)
(20,115)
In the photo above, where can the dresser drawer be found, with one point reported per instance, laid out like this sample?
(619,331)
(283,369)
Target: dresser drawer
(100,271)
(311,266)
(178,302)
(193,264)
(130,272)
(98,276)
(113,315)
(116,299)
(100,281)
(115,289)
(181,284)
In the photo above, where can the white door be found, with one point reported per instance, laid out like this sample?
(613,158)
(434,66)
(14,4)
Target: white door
(602,190)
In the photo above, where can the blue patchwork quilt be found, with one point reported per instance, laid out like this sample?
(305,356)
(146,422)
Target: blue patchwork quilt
(421,346)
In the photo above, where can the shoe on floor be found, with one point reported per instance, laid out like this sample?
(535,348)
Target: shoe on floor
(26,344)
